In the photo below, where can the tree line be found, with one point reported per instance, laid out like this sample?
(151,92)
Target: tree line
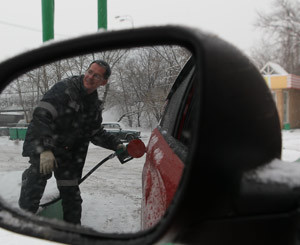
(281,39)
(136,92)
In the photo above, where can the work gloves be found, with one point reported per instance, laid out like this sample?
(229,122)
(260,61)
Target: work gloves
(47,162)
(122,154)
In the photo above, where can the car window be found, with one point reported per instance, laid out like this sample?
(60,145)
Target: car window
(111,126)
(184,133)
(175,104)
(177,120)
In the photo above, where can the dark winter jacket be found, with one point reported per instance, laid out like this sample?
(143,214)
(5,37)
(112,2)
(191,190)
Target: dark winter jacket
(67,118)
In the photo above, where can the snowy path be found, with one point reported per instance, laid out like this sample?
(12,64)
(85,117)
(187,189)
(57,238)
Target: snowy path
(111,195)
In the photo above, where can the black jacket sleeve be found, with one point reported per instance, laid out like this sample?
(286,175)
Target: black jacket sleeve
(105,140)
(39,136)
(101,137)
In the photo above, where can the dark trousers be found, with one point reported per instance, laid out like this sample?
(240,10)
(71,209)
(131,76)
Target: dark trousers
(34,183)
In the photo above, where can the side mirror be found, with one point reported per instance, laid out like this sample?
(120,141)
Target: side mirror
(235,128)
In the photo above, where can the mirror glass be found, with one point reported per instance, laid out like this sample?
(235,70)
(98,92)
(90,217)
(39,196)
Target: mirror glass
(116,197)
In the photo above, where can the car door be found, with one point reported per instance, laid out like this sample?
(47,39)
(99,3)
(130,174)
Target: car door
(167,149)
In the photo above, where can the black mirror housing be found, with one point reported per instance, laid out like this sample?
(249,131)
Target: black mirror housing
(237,130)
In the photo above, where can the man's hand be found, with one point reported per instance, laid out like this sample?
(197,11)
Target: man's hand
(47,162)
(120,148)
(122,153)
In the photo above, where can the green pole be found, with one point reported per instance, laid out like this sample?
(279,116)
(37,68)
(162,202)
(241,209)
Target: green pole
(102,14)
(48,19)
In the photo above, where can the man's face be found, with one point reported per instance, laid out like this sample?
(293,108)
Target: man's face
(94,77)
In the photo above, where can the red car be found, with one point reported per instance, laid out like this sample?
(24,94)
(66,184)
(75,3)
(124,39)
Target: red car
(167,149)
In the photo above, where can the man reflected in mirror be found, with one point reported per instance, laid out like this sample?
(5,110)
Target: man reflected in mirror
(66,120)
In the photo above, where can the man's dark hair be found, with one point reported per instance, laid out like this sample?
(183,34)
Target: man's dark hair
(105,65)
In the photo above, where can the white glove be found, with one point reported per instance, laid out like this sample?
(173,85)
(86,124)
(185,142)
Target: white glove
(47,162)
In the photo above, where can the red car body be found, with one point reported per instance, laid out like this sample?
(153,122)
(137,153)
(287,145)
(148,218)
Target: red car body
(161,175)
(167,149)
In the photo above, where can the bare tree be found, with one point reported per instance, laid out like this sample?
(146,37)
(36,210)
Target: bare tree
(281,28)
(141,79)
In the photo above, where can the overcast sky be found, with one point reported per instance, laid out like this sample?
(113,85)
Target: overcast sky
(232,20)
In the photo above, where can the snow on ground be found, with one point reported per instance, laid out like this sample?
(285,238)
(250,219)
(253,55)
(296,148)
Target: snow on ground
(290,145)
(111,195)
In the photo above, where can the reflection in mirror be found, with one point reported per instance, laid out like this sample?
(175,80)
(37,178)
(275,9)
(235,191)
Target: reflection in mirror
(116,197)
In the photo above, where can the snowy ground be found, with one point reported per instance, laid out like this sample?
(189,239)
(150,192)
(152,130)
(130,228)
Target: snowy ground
(291,145)
(112,195)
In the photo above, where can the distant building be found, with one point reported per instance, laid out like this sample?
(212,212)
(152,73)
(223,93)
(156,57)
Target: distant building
(10,116)
(285,89)
(10,119)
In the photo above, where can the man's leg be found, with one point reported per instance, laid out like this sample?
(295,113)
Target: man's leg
(67,175)
(33,186)
(71,202)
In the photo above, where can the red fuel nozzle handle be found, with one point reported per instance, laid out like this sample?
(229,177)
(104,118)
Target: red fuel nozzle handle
(135,149)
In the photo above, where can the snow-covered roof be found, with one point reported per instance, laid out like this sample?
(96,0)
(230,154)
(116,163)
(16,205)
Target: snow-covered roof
(272,68)
(12,113)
